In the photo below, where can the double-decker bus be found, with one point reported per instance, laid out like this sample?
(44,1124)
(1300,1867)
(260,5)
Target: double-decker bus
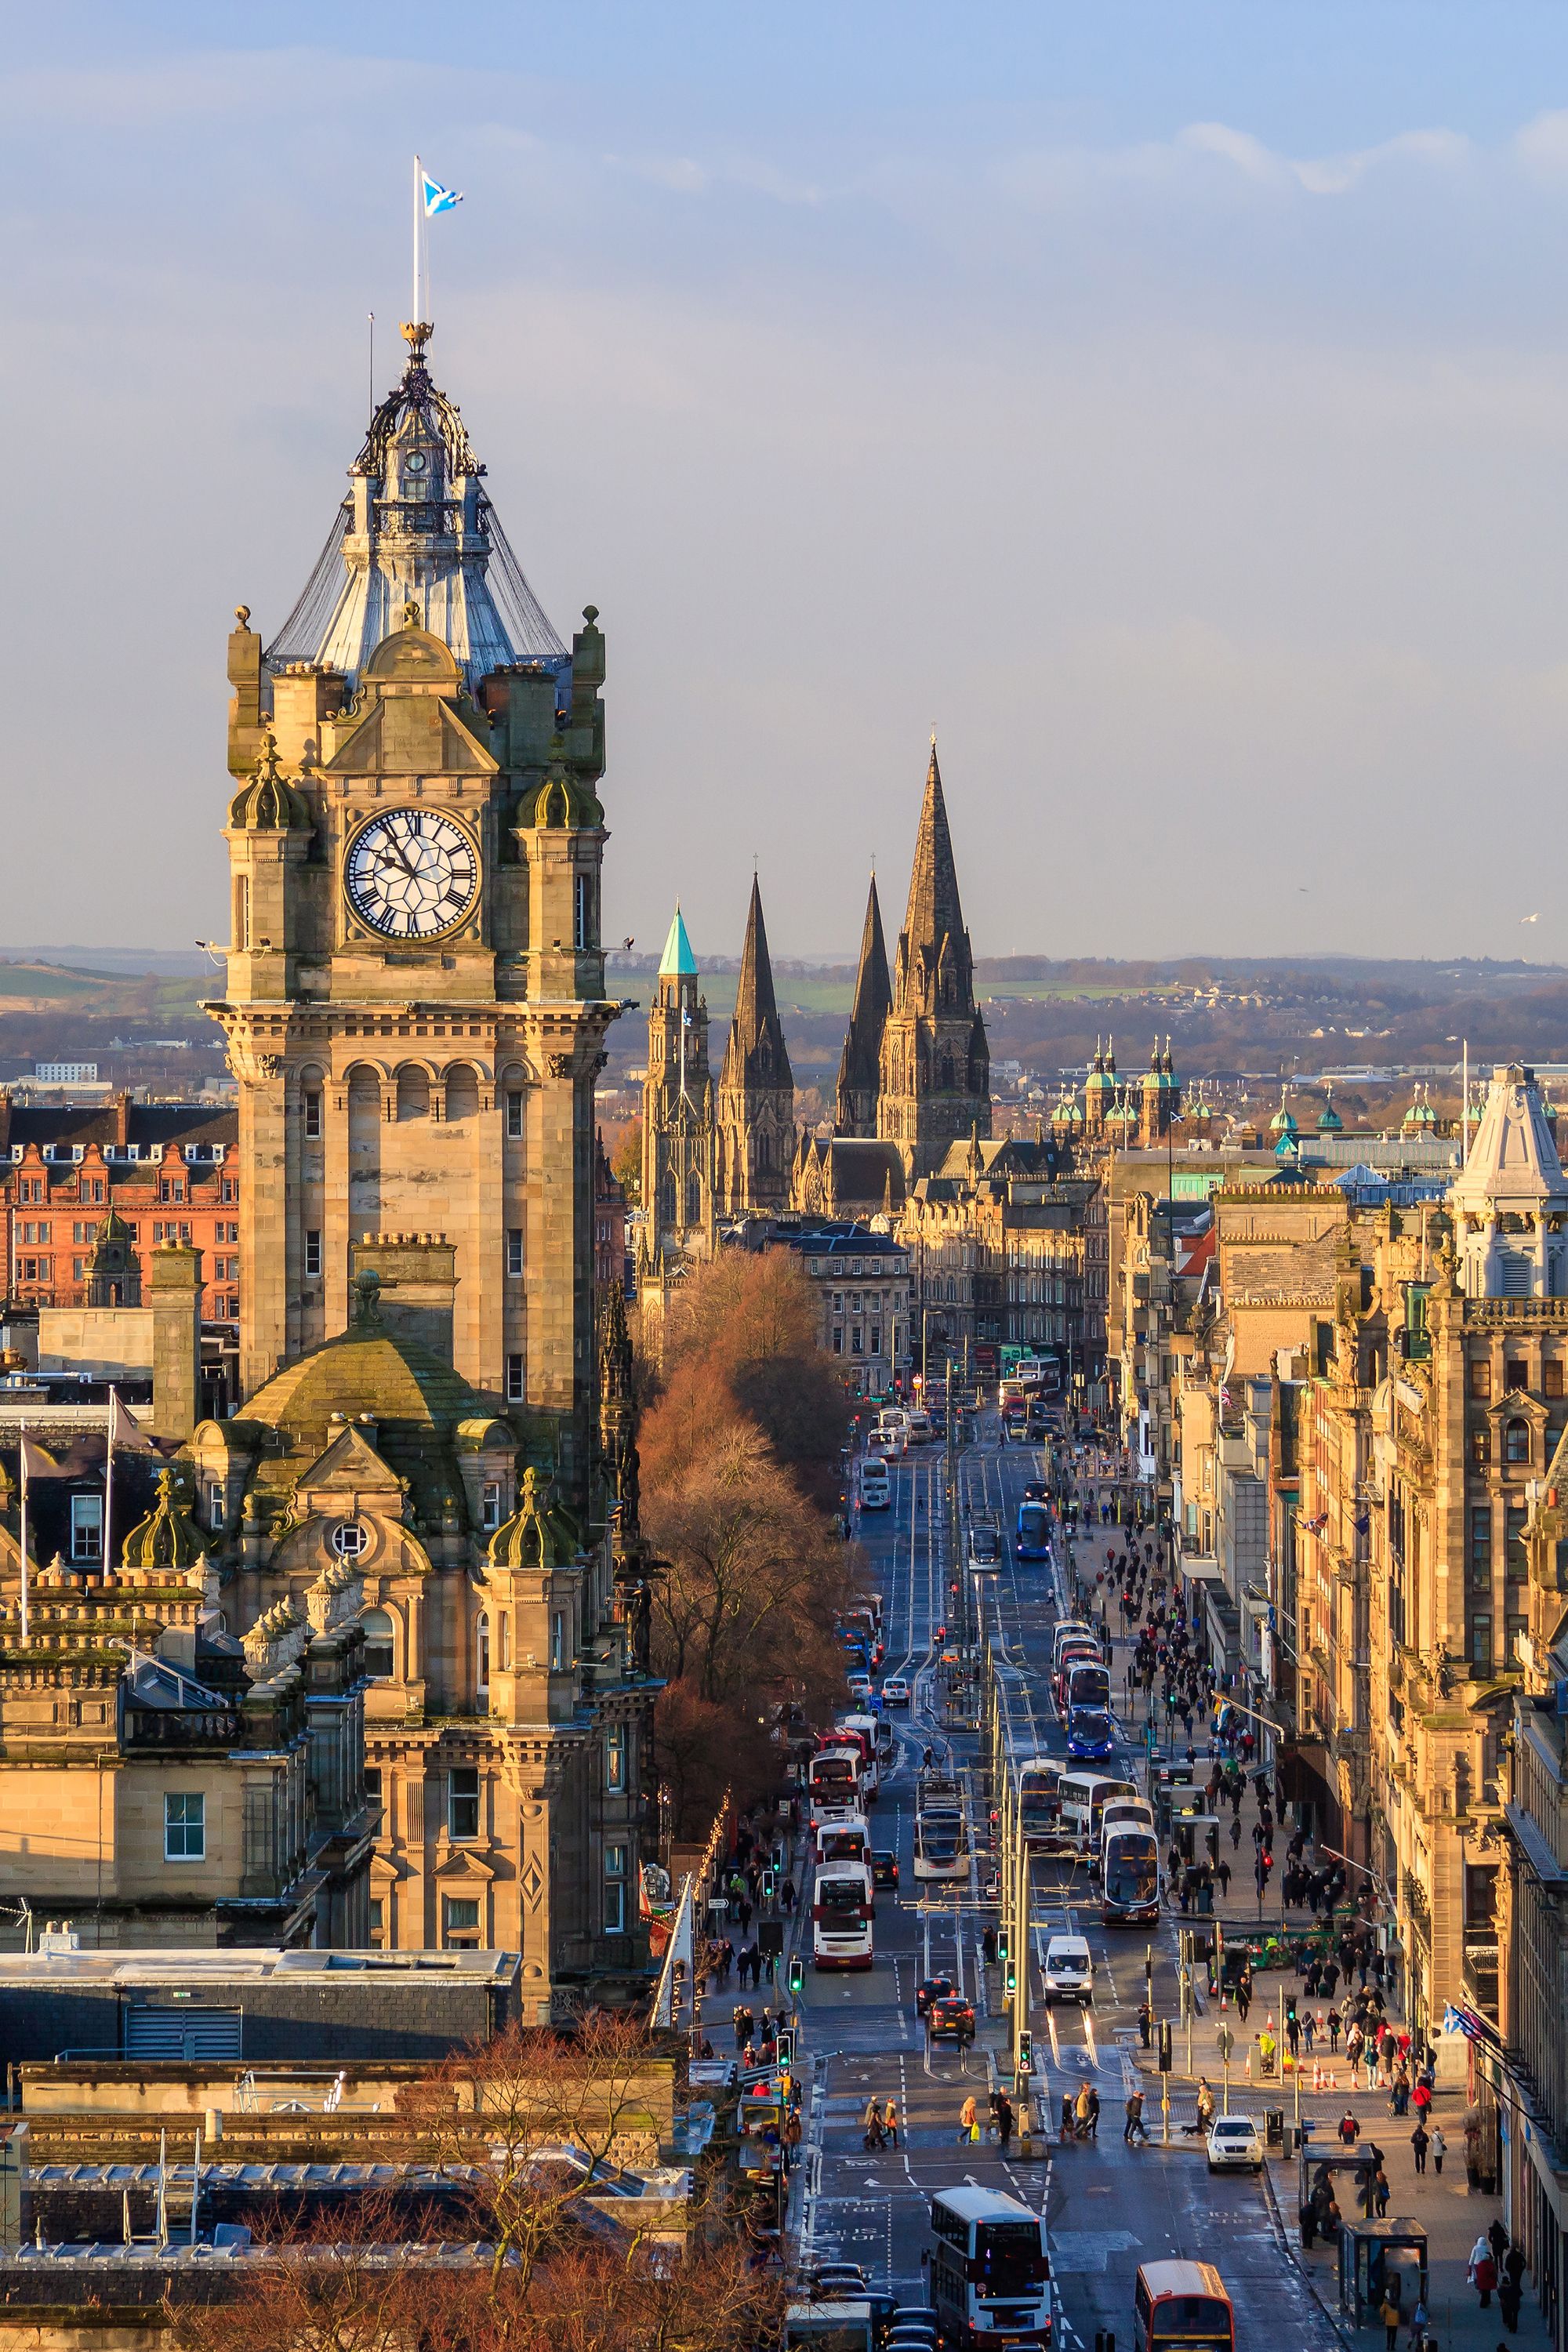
(1084,1796)
(1034,1536)
(841,1908)
(848,1839)
(990,2272)
(1129,1874)
(833,1783)
(1181,2307)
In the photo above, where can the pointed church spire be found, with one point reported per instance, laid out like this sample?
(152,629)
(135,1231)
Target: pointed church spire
(858,1063)
(755,1003)
(754,1107)
(934,914)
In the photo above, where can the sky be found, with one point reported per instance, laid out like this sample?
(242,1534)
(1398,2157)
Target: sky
(1167,402)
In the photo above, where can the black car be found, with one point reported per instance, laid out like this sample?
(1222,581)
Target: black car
(951,2019)
(884,1867)
(1036,1491)
(934,1988)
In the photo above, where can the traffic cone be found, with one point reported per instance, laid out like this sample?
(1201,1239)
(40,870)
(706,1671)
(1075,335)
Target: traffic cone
(1250,2062)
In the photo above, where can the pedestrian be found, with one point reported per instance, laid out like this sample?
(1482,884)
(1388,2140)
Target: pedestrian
(1069,2128)
(1334,2025)
(969,2119)
(1482,2270)
(891,2121)
(1391,2314)
(1439,2148)
(1133,2131)
(1093,2113)
(1145,2023)
(1005,2119)
(1380,2190)
(1242,1998)
(1081,2113)
(872,2125)
(1349,2129)
(1497,2237)
(1420,2140)
(790,2139)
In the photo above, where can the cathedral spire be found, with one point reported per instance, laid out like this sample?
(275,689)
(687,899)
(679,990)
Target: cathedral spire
(934,914)
(755,1102)
(857,1066)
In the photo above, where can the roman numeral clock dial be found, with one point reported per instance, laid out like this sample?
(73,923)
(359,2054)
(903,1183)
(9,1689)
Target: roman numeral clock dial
(411,874)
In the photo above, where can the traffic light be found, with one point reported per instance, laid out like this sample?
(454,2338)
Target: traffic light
(770,1886)
(796,1974)
(787,2045)
(1289,2009)
(1001,1943)
(1026,2052)
(1164,2061)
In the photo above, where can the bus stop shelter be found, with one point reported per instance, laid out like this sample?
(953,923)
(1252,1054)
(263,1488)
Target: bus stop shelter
(1372,2253)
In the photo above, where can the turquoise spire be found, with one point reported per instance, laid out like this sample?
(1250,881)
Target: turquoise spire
(677,961)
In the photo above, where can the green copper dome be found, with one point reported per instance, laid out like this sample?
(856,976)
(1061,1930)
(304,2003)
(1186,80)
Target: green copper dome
(539,1535)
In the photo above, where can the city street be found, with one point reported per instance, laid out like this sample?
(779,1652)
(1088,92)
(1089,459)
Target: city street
(1107,2207)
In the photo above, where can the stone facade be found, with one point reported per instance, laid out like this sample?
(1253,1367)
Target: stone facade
(678,1111)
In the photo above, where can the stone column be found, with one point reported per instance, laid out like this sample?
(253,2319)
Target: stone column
(176,1339)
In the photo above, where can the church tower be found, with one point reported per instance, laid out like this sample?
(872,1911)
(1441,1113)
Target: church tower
(859,1065)
(415,1002)
(678,1105)
(754,1109)
(935,1069)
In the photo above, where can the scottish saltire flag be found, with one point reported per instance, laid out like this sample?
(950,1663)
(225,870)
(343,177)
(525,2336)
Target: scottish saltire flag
(438,199)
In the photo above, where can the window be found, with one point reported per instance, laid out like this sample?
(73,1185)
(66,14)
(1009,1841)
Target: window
(313,1254)
(514,1115)
(490,1506)
(242,910)
(1481,1547)
(1516,1441)
(215,1510)
(557,1642)
(372,1784)
(615,1758)
(460,1922)
(228,1192)
(171,1187)
(482,1644)
(1481,1646)
(615,1890)
(81,1231)
(876,1339)
(377,1644)
(313,1112)
(185,1828)
(1515,1376)
(1480,1379)
(839,1338)
(514,1250)
(1552,1369)
(463,1801)
(582,911)
(349,1539)
(856,1341)
(1516,1559)
(514,1380)
(375,1920)
(1480,1447)
(79,1269)
(86,1527)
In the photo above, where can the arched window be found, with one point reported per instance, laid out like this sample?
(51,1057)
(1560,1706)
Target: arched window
(764,1153)
(462,1091)
(947,1072)
(1516,1441)
(412,1092)
(694,1200)
(378,1644)
(667,1199)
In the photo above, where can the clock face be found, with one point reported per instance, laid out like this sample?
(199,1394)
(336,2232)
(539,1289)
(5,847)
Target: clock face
(411,874)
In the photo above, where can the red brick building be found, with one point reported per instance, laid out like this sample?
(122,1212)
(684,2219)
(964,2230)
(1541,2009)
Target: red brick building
(170,1170)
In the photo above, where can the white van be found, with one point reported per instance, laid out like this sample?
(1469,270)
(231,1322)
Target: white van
(1069,1971)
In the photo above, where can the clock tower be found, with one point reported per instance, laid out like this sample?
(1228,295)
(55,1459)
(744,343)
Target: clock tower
(414,1003)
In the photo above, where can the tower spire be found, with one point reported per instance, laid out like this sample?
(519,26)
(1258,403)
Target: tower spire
(754,1109)
(857,1065)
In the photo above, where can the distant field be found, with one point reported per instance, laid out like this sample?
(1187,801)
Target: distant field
(41,981)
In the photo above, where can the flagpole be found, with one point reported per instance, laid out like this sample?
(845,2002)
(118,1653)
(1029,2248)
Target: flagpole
(108,1559)
(24,1535)
(418,314)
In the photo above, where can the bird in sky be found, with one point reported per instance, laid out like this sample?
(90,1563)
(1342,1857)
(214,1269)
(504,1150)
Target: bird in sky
(1529,918)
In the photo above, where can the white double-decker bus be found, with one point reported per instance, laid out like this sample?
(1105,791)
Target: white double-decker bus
(990,2272)
(841,1916)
